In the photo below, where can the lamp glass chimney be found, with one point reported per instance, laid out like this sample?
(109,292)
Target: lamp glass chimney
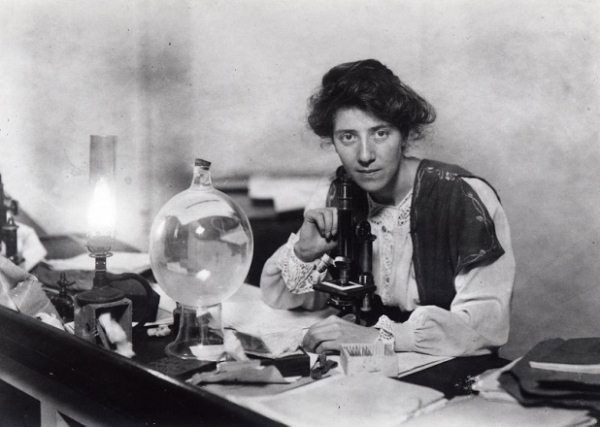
(102,210)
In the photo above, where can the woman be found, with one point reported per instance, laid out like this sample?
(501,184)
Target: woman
(442,261)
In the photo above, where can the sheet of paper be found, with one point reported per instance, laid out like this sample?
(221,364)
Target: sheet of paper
(489,387)
(357,400)
(119,262)
(246,312)
(476,411)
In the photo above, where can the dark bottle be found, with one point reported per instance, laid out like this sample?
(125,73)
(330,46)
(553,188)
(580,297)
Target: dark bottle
(63,302)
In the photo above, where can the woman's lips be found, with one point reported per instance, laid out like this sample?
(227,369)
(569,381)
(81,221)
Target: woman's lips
(368,172)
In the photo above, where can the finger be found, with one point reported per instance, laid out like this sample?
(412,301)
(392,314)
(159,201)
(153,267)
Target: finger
(309,215)
(318,334)
(329,245)
(328,219)
(326,346)
(307,342)
(310,342)
(316,217)
(322,224)
(325,333)
(334,227)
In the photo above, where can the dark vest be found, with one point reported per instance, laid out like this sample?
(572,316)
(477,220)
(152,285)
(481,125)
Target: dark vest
(451,232)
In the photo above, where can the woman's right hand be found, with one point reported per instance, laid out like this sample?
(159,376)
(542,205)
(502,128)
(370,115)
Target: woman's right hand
(317,234)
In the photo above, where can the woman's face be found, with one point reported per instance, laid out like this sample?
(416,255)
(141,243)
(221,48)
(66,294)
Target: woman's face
(370,150)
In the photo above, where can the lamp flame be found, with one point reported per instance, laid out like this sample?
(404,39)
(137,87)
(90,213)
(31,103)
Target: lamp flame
(102,211)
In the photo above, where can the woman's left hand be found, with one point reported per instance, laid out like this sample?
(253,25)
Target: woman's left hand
(330,333)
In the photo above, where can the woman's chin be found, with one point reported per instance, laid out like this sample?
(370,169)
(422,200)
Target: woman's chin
(370,186)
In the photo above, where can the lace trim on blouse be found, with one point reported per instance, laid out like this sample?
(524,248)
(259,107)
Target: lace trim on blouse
(392,222)
(296,273)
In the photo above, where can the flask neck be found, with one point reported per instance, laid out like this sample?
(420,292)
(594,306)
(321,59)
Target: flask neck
(201,179)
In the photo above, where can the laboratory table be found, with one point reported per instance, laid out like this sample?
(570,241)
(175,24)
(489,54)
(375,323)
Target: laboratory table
(96,387)
(93,386)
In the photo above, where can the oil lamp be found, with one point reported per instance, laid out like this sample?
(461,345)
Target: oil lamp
(102,301)
(105,313)
(102,206)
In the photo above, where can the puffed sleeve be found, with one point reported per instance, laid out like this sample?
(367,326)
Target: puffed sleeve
(478,319)
(286,281)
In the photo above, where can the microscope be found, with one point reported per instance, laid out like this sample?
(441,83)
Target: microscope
(350,265)
(8,229)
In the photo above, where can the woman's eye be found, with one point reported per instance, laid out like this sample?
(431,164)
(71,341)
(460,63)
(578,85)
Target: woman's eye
(346,137)
(382,133)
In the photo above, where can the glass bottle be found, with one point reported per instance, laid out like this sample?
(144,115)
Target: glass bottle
(200,250)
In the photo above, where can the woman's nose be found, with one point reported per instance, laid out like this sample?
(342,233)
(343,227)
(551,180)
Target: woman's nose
(366,155)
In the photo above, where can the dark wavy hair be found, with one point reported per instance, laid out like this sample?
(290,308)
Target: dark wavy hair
(370,86)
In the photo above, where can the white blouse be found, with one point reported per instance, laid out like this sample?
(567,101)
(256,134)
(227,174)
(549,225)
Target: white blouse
(478,319)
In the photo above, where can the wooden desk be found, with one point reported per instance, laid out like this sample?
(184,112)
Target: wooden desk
(96,387)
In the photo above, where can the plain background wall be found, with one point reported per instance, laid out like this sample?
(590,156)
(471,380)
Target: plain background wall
(515,83)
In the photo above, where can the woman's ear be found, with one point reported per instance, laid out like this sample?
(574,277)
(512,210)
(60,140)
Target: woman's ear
(328,144)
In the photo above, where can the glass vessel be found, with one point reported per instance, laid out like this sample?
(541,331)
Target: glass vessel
(200,250)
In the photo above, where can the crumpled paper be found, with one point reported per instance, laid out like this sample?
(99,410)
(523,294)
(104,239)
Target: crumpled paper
(22,292)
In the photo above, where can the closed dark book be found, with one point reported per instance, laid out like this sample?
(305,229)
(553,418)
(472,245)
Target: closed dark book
(580,355)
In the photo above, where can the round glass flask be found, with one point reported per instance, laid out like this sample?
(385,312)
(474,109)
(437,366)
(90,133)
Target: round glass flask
(200,250)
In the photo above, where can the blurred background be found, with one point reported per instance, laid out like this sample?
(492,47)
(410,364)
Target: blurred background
(515,84)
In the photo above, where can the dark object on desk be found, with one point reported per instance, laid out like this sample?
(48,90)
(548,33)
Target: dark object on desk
(578,355)
(541,387)
(63,301)
(134,287)
(353,287)
(454,377)
(181,368)
(91,305)
(322,367)
(138,290)
(297,364)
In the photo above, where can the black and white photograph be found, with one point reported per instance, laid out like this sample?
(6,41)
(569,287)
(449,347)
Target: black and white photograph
(299,212)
